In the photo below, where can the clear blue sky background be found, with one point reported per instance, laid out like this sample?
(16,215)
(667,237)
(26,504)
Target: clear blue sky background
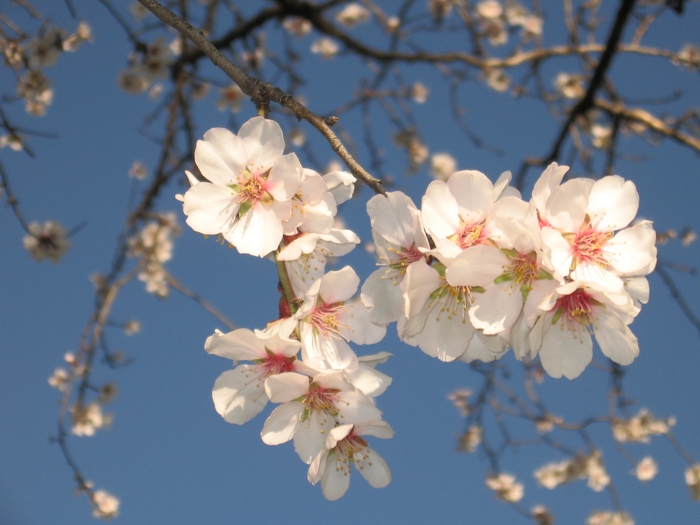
(168,456)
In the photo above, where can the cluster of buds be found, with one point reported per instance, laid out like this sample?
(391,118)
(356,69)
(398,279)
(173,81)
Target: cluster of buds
(147,67)
(591,466)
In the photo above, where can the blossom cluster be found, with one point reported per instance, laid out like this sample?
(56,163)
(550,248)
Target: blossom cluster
(264,203)
(38,53)
(476,271)
(479,270)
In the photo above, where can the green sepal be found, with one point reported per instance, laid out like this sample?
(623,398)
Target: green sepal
(504,277)
(477,289)
(525,291)
(243,209)
(510,253)
(557,315)
(440,268)
(544,274)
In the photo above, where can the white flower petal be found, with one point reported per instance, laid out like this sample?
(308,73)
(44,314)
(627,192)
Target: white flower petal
(374,469)
(282,423)
(612,203)
(615,338)
(237,396)
(221,156)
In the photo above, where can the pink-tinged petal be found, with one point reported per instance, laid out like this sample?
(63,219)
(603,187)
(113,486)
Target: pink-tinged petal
(335,481)
(341,184)
(356,326)
(378,429)
(556,250)
(473,192)
(638,289)
(282,388)
(501,185)
(312,187)
(564,354)
(319,217)
(369,381)
(374,469)
(446,338)
(317,467)
(263,141)
(421,281)
(258,232)
(396,218)
(476,266)
(497,308)
(439,210)
(355,407)
(210,209)
(632,251)
(239,397)
(221,157)
(285,177)
(566,206)
(612,203)
(551,178)
(615,338)
(339,286)
(239,345)
(326,351)
(311,435)
(282,423)
(383,297)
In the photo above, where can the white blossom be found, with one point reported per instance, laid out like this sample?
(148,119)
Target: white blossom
(105,505)
(47,241)
(506,487)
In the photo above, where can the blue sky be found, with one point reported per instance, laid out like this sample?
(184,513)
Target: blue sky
(168,456)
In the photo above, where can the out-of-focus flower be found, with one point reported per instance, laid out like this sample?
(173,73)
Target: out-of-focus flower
(325,47)
(688,236)
(646,469)
(692,479)
(442,165)
(108,392)
(200,90)
(154,244)
(460,399)
(506,487)
(60,379)
(13,140)
(470,439)
(230,98)
(541,515)
(569,85)
(609,518)
(138,171)
(353,14)
(640,427)
(600,136)
(489,9)
(440,9)
(552,475)
(132,326)
(131,81)
(43,51)
(46,242)
(105,505)
(689,55)
(298,27)
(88,419)
(419,93)
(497,80)
(37,92)
(82,34)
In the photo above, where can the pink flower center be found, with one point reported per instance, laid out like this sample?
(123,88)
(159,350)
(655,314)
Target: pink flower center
(251,189)
(472,234)
(587,246)
(325,318)
(575,309)
(320,399)
(275,364)
(524,269)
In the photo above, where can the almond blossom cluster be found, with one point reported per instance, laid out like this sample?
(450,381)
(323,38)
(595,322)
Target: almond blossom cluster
(264,203)
(479,270)
(476,271)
